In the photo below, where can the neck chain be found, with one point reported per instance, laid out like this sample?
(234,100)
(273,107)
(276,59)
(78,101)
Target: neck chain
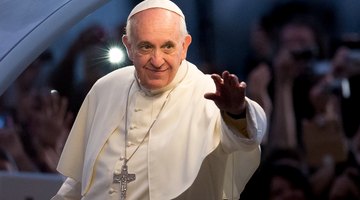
(124,177)
(126,160)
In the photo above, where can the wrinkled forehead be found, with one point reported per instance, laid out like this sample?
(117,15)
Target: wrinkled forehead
(155,22)
(164,4)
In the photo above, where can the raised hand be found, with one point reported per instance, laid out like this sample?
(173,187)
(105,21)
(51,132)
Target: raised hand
(286,67)
(52,122)
(230,93)
(10,142)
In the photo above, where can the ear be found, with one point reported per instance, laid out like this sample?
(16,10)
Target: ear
(186,44)
(127,43)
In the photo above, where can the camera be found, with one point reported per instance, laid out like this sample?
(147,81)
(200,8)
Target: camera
(305,54)
(320,67)
(339,86)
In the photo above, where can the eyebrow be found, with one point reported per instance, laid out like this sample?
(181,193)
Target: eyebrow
(168,43)
(145,43)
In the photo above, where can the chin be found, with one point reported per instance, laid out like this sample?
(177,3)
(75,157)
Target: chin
(153,85)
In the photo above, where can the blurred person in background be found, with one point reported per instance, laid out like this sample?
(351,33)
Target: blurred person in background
(286,79)
(346,185)
(294,39)
(85,61)
(282,175)
(37,120)
(344,79)
(340,83)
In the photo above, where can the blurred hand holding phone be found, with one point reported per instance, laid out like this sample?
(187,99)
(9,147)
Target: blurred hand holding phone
(3,121)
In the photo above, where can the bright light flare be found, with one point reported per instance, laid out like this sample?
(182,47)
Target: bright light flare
(116,55)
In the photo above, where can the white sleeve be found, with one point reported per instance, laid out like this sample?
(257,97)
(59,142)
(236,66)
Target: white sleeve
(232,140)
(243,149)
(70,190)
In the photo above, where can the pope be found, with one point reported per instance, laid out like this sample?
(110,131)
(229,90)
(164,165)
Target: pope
(161,129)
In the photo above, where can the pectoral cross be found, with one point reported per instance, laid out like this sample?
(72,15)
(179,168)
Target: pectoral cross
(123,178)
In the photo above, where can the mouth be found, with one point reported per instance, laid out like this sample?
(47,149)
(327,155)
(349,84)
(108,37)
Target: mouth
(157,70)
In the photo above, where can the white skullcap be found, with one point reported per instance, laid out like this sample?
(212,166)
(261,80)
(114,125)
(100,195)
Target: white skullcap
(147,4)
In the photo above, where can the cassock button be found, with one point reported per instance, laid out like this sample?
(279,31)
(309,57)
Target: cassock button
(128,144)
(122,157)
(132,127)
(137,109)
(111,191)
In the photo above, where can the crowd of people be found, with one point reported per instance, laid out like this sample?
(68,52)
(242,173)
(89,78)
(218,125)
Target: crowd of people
(304,78)
(301,71)
(38,109)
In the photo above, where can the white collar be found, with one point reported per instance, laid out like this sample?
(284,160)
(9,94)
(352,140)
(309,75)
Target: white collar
(180,75)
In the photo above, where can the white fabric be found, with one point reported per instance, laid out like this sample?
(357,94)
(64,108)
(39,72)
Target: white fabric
(142,112)
(164,4)
(187,132)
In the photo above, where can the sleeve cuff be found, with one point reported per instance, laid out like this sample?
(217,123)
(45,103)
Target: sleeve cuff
(239,123)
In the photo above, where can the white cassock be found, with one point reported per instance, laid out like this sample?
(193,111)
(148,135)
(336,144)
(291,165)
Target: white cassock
(193,151)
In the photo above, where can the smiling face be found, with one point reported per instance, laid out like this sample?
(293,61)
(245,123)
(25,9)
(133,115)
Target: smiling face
(156,46)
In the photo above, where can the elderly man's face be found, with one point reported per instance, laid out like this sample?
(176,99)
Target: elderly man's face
(156,46)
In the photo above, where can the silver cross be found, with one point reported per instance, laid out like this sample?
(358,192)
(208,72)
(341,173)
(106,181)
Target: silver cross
(123,178)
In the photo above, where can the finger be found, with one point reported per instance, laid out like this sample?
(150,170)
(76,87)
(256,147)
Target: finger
(226,77)
(46,104)
(211,96)
(55,101)
(218,82)
(234,81)
(63,107)
(242,84)
(217,79)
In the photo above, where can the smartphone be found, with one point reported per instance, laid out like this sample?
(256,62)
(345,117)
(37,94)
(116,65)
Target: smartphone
(2,121)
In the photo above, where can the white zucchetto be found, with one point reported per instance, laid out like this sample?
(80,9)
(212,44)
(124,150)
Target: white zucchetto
(147,4)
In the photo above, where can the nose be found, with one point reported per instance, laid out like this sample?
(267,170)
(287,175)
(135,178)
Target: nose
(157,59)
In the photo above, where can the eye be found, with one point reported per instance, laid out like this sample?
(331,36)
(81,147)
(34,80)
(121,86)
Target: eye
(145,47)
(168,47)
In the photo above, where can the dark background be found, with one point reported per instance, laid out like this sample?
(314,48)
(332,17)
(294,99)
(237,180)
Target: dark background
(220,29)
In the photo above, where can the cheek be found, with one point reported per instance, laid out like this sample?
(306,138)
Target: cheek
(140,60)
